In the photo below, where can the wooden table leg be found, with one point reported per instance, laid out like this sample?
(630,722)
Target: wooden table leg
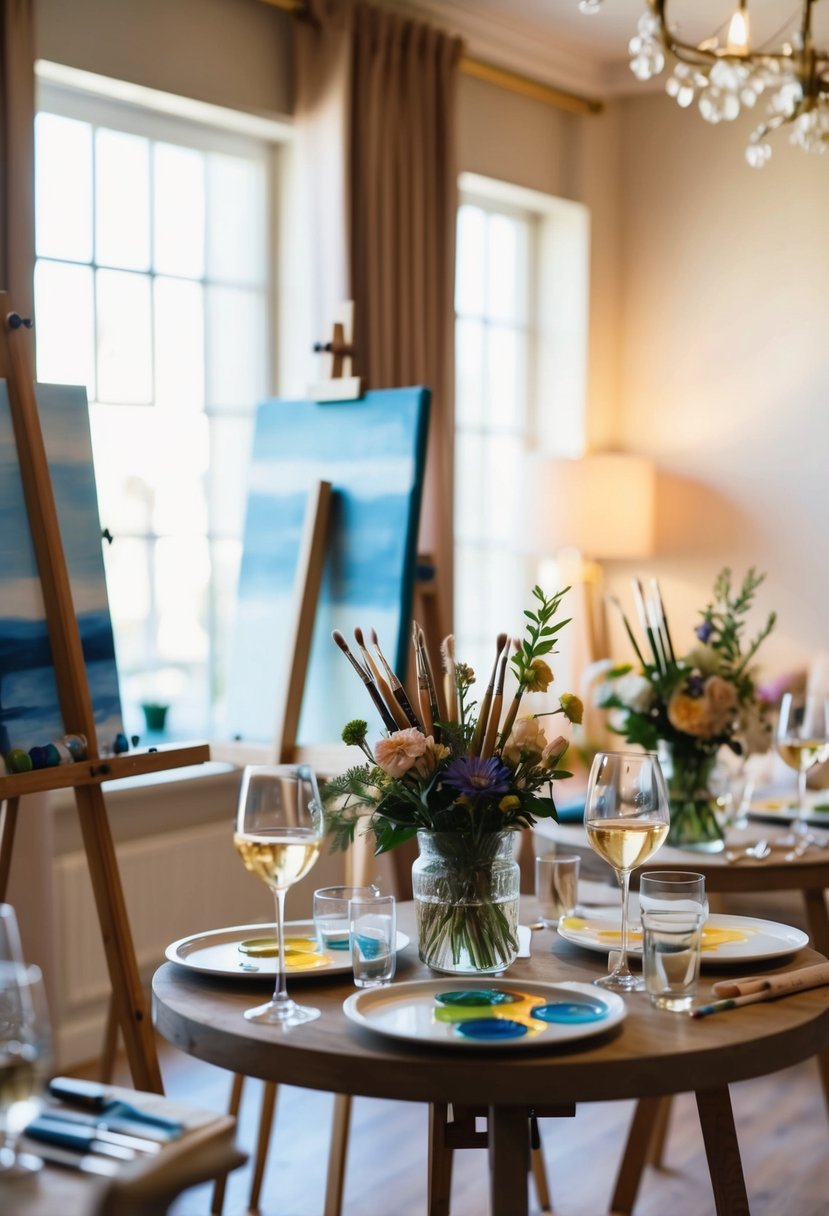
(723,1152)
(8,822)
(818,921)
(637,1152)
(335,1181)
(509,1160)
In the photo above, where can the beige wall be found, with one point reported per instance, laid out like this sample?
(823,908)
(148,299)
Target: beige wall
(725,361)
(232,53)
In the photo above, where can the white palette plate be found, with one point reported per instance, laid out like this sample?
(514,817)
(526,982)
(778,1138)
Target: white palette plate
(785,810)
(759,939)
(217,953)
(412,1011)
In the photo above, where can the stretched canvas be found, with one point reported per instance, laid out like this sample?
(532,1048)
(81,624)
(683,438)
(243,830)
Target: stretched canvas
(373,452)
(30,712)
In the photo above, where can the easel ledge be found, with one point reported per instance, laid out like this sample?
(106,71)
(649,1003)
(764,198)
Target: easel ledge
(97,771)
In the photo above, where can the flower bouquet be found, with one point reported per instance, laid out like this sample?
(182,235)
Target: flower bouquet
(464,781)
(688,707)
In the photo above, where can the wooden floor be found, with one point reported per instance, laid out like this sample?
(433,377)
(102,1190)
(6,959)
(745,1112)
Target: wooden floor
(781,1123)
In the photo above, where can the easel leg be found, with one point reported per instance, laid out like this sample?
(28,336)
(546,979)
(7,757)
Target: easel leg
(723,1152)
(133,1011)
(8,822)
(109,1048)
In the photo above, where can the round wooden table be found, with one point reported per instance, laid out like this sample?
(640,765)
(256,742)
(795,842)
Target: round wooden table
(652,1053)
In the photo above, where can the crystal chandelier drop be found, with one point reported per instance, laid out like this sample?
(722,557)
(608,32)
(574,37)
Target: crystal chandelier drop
(724,73)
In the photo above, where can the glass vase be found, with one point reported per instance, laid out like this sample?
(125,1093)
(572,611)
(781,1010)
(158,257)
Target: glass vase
(466,898)
(695,822)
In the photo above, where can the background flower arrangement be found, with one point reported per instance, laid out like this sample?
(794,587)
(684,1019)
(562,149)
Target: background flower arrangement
(470,779)
(694,704)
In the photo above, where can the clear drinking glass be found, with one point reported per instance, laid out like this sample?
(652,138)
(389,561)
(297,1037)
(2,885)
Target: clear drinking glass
(626,816)
(673,891)
(25,1061)
(331,914)
(802,740)
(671,947)
(556,888)
(279,831)
(373,930)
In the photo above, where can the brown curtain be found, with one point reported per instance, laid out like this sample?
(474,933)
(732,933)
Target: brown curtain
(17,112)
(394,79)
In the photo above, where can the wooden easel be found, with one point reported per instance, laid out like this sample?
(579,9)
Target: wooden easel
(87,777)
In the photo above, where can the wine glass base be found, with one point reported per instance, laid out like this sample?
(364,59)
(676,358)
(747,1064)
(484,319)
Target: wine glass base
(273,1014)
(624,982)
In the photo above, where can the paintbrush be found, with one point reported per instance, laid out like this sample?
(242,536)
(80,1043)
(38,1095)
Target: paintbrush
(663,620)
(645,623)
(371,687)
(398,691)
(382,687)
(423,698)
(495,709)
(450,691)
(613,600)
(483,712)
(434,704)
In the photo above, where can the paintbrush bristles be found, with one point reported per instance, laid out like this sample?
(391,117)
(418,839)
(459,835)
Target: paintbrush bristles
(450,691)
(382,687)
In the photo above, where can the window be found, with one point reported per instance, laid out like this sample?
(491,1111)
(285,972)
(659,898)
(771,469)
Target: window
(152,289)
(521,336)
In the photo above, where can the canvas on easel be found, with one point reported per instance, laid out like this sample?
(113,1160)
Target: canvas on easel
(372,452)
(30,714)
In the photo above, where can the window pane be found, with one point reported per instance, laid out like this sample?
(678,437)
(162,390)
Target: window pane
(506,378)
(179,344)
(470,260)
(122,200)
(235,344)
(230,445)
(178,211)
(182,633)
(180,477)
(501,471)
(469,370)
(64,310)
(235,187)
(63,175)
(126,442)
(125,368)
(506,280)
(470,490)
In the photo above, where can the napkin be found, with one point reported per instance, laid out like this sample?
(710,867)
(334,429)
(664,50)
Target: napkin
(774,985)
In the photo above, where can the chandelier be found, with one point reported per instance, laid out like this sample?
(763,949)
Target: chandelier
(725,74)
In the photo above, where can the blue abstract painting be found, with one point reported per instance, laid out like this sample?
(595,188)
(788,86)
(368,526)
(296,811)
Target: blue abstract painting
(373,452)
(30,714)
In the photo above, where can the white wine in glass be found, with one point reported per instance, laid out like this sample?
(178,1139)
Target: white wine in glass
(802,740)
(279,832)
(25,1061)
(626,817)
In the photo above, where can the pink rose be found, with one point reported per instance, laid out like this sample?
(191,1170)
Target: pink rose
(397,754)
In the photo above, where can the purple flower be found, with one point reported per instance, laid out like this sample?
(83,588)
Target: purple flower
(474,775)
(704,631)
(694,686)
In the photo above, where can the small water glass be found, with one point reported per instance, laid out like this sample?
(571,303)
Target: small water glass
(372,924)
(673,891)
(331,914)
(671,949)
(556,888)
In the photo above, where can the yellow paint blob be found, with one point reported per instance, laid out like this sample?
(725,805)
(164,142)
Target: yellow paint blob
(712,938)
(301,953)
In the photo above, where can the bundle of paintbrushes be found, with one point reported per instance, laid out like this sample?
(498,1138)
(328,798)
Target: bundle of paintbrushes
(448,762)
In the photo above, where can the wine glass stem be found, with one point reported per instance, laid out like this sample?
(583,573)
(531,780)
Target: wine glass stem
(800,822)
(280,992)
(624,883)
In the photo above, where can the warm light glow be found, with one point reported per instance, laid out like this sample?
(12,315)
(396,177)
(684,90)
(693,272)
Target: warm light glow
(738,34)
(602,505)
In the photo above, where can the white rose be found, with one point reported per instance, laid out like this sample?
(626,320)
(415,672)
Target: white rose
(634,691)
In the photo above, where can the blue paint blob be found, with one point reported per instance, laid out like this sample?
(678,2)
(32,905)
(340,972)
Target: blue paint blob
(492,1028)
(571,1013)
(476,996)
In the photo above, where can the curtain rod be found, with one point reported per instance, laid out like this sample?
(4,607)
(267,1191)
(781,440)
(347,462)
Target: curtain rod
(503,78)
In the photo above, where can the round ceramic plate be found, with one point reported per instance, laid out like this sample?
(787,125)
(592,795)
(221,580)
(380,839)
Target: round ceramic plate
(473,1013)
(725,939)
(773,810)
(217,952)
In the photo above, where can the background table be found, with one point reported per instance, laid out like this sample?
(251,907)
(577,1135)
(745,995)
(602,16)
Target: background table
(653,1053)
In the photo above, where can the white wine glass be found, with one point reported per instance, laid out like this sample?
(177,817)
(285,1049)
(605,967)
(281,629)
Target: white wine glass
(626,816)
(279,832)
(25,1061)
(802,740)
